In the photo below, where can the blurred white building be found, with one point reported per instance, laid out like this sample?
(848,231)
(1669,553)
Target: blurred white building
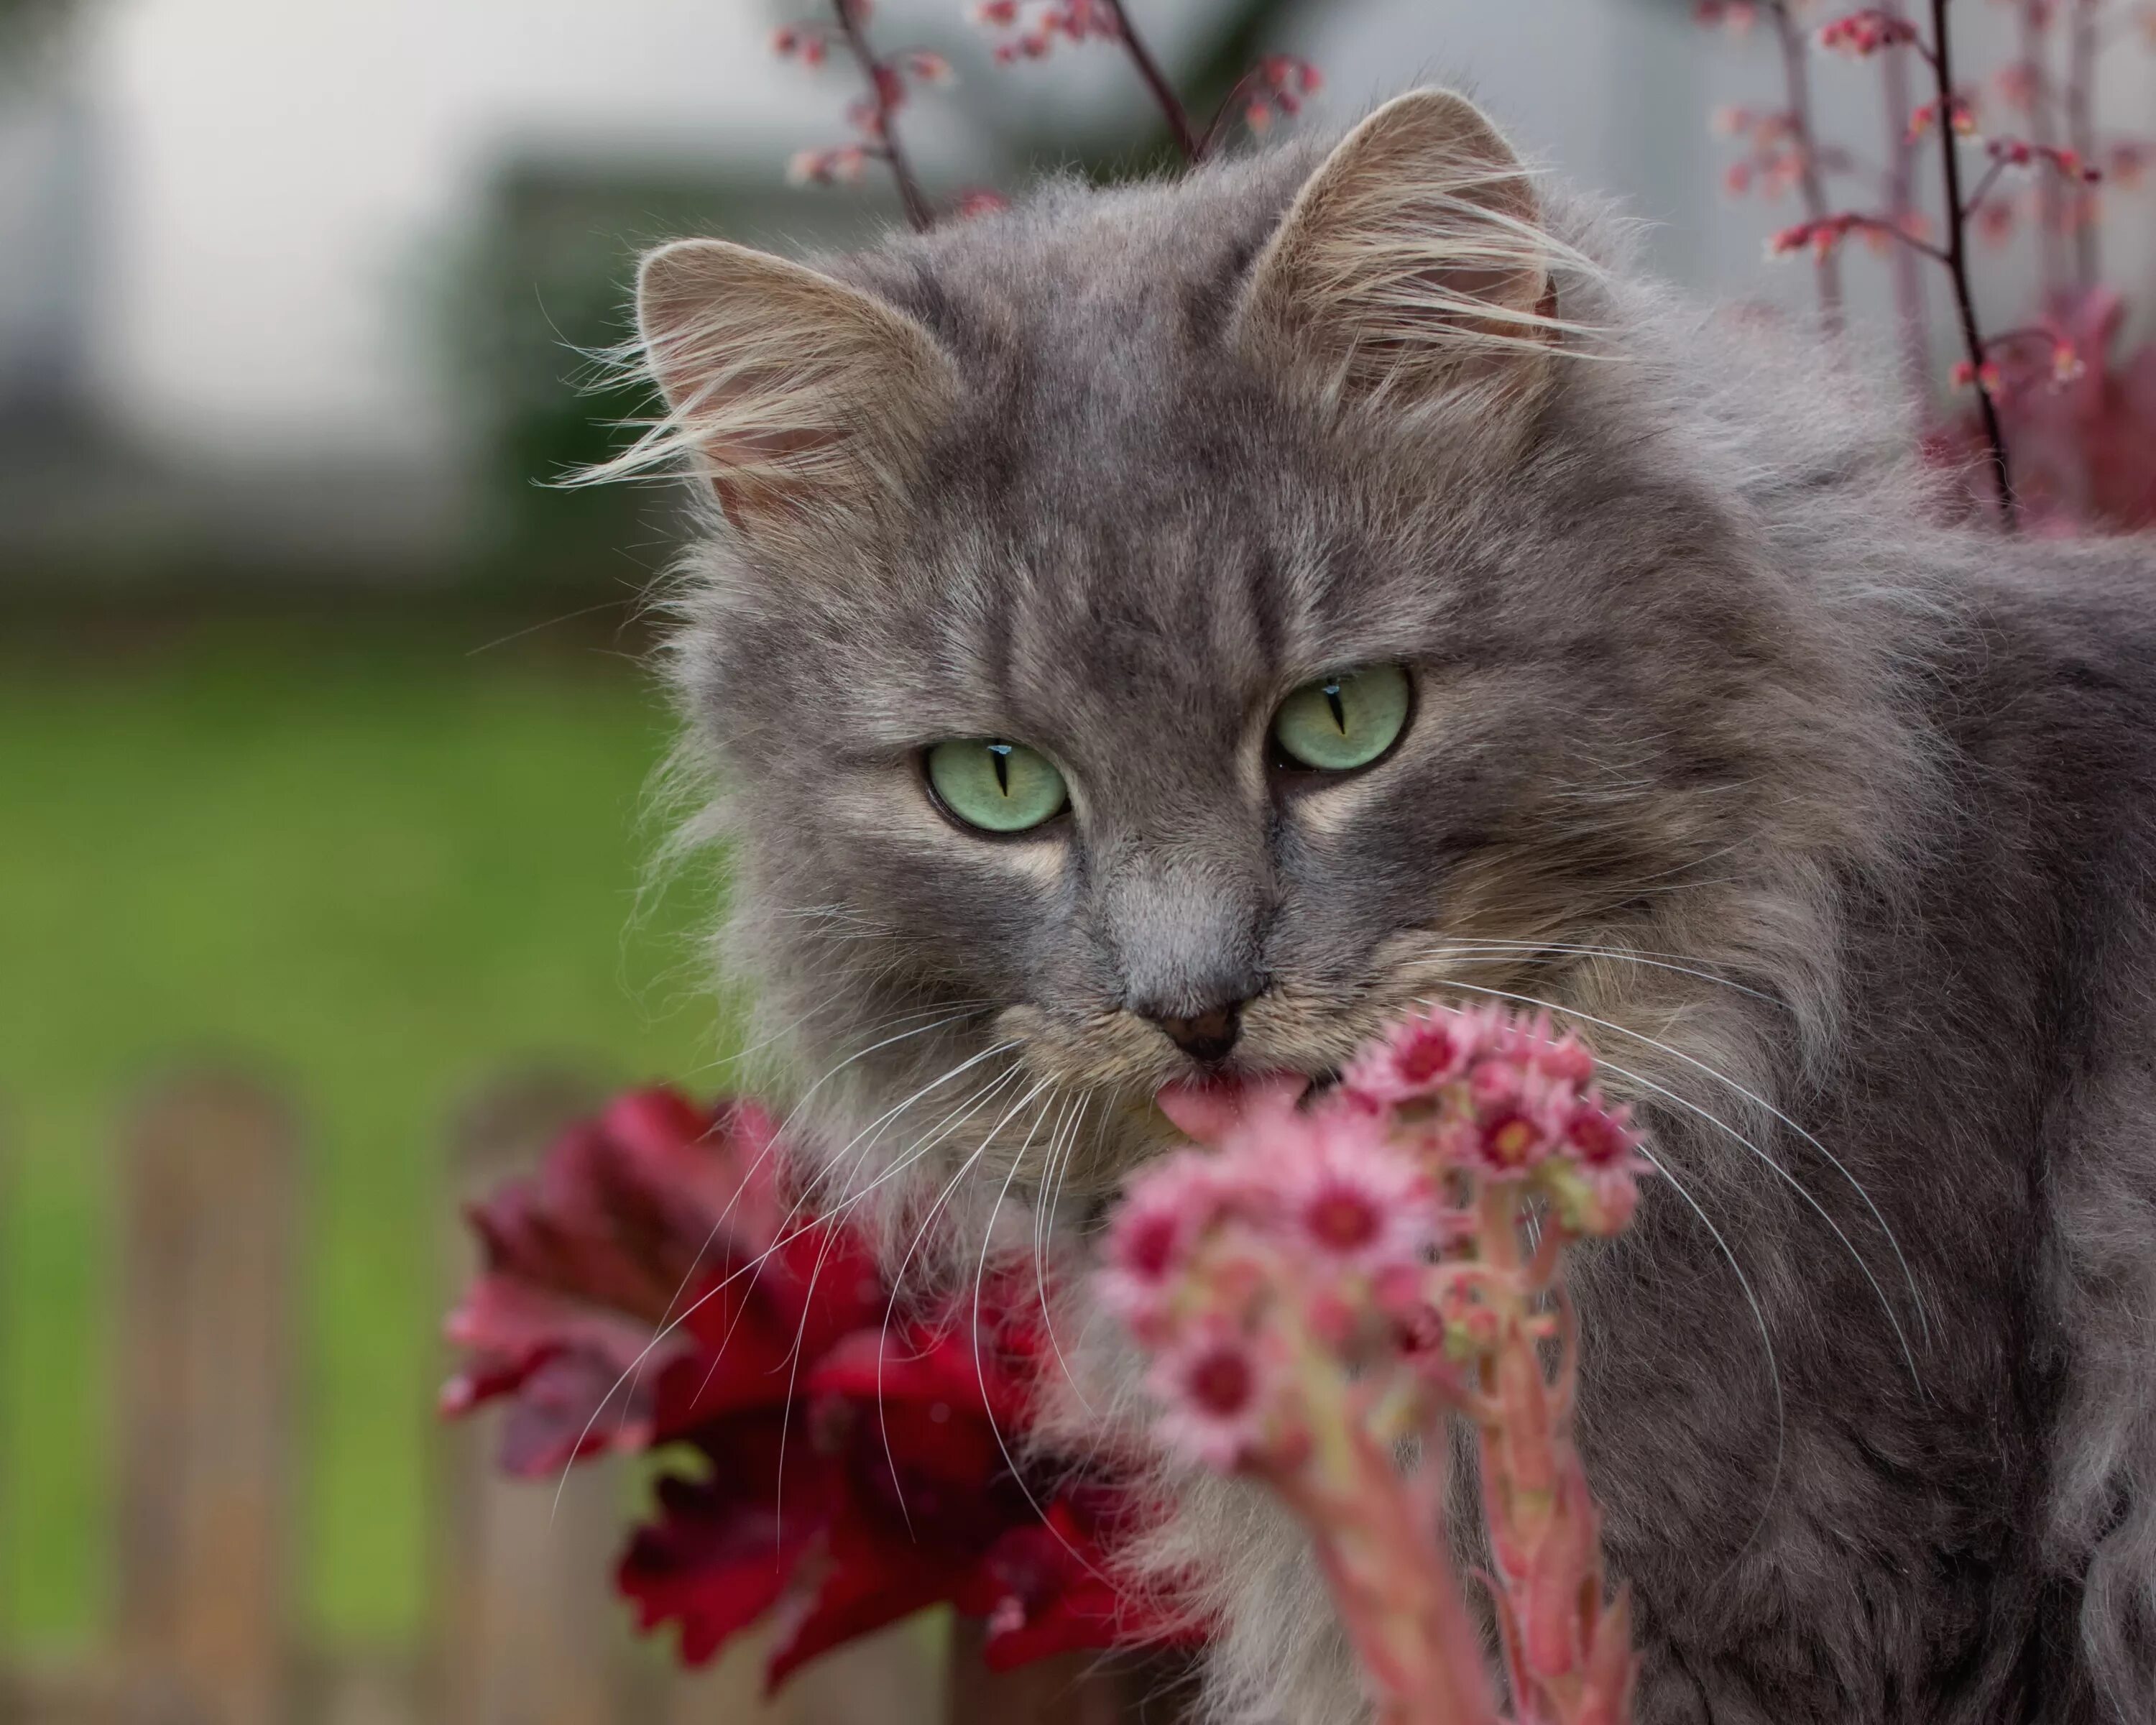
(221,220)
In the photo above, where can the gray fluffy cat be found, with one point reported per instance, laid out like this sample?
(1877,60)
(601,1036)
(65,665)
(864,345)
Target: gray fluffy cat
(1175,629)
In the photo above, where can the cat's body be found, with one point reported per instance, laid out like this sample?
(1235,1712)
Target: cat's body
(1834,828)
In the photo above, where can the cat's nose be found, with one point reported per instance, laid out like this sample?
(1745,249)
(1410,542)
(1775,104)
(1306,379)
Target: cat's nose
(1208,1035)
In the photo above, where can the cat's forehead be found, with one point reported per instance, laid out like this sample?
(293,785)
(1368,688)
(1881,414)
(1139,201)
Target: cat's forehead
(1090,327)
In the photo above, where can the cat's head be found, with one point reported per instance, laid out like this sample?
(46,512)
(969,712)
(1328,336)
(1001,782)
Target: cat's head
(1172,631)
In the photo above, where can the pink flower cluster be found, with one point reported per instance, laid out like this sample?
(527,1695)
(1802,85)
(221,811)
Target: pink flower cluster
(1735,16)
(2020,152)
(1278,84)
(1961,115)
(1036,28)
(1860,34)
(1824,236)
(1776,150)
(1334,1279)
(890,80)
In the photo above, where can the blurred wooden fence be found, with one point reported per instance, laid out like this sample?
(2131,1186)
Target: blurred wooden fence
(526,1629)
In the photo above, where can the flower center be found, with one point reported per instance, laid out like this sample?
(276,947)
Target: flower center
(1342,1219)
(1509,1142)
(1221,1383)
(1151,1245)
(1423,1059)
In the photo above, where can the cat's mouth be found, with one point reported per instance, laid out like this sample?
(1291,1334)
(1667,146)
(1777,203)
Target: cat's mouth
(1209,1108)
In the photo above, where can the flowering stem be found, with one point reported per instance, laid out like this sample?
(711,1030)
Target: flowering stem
(2050,205)
(1900,208)
(1797,80)
(2079,105)
(1171,105)
(1975,199)
(1380,1539)
(1957,257)
(919,213)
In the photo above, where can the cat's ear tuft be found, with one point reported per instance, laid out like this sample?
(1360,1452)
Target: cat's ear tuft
(1411,269)
(799,398)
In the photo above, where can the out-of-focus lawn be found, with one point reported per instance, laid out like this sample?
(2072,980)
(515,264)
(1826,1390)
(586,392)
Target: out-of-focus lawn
(376,866)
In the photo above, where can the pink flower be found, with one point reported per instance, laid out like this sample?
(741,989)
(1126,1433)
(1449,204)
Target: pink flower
(1217,1391)
(1566,1059)
(845,165)
(1149,1244)
(1511,1140)
(1925,117)
(1738,16)
(1863,33)
(1353,1200)
(801,42)
(1422,1054)
(924,67)
(1599,1136)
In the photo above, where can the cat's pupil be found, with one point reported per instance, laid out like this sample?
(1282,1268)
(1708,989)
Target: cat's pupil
(999,754)
(1332,701)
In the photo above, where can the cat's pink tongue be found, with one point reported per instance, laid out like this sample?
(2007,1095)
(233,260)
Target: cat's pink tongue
(1209,1109)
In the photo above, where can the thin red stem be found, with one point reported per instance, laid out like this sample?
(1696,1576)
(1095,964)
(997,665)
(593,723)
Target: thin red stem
(1163,92)
(1975,201)
(920,214)
(1887,229)
(1957,258)
(1796,74)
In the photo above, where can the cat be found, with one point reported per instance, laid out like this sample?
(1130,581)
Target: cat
(1665,687)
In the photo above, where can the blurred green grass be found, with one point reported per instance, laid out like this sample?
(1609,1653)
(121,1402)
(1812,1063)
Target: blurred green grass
(375,865)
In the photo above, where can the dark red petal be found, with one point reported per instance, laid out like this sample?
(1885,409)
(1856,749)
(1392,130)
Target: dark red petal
(754,1367)
(867,1580)
(575,1404)
(1051,1588)
(724,1550)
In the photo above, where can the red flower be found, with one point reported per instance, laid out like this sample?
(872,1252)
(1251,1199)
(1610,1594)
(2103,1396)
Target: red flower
(1049,1587)
(654,1282)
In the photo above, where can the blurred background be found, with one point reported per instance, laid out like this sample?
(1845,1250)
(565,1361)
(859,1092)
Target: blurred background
(325,742)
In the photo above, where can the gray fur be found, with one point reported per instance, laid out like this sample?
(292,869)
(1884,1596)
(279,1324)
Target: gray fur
(1856,807)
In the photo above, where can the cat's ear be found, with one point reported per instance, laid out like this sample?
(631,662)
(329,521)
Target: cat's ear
(1412,268)
(800,399)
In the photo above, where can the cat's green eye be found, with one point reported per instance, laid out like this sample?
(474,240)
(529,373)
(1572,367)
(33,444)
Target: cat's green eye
(1341,722)
(998,786)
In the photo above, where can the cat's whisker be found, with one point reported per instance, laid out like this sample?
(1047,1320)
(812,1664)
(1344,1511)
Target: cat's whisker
(1054,1183)
(1886,1306)
(756,1162)
(921,1233)
(823,1253)
(1492,943)
(952,1119)
(980,1374)
(1795,1185)
(1766,1339)
(786,1238)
